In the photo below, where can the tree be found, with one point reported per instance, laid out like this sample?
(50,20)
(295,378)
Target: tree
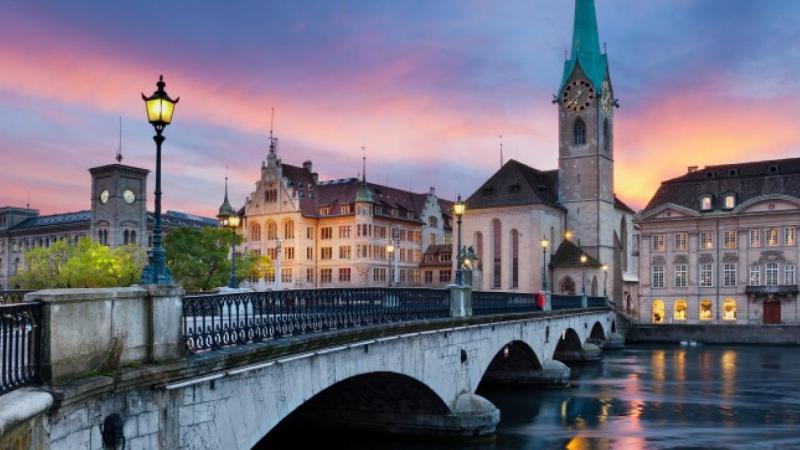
(87,264)
(199,258)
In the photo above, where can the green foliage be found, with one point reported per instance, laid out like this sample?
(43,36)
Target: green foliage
(199,258)
(85,264)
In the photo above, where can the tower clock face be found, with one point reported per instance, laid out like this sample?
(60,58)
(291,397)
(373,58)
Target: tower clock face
(578,95)
(129,196)
(104,196)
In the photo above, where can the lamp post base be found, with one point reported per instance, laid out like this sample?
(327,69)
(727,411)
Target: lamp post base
(156,270)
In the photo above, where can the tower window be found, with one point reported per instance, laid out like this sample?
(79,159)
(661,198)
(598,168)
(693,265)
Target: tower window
(606,136)
(579,132)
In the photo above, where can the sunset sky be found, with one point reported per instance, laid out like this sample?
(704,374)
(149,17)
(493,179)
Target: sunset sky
(426,86)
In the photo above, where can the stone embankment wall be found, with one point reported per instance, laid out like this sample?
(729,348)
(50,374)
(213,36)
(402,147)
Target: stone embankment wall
(714,334)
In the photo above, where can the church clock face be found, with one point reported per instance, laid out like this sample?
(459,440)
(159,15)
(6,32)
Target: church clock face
(129,196)
(578,95)
(104,196)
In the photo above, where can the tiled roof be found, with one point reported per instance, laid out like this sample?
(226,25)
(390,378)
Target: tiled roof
(54,220)
(516,184)
(435,251)
(745,180)
(173,219)
(619,204)
(569,255)
(336,193)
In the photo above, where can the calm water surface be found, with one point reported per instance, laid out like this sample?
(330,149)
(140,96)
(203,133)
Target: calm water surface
(705,397)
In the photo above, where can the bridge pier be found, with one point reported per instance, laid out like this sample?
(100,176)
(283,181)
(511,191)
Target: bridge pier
(551,374)
(589,352)
(615,341)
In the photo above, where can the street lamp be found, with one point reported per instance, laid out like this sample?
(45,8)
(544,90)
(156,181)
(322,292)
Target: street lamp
(545,243)
(458,210)
(390,252)
(231,222)
(605,280)
(159,108)
(584,258)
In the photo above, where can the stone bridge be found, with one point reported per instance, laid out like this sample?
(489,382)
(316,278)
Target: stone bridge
(413,378)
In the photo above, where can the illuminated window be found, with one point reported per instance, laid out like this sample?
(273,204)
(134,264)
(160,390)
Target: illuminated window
(706,312)
(730,201)
(772,237)
(681,241)
(706,240)
(772,274)
(658,243)
(729,309)
(755,237)
(272,230)
(288,229)
(755,275)
(729,239)
(255,232)
(705,203)
(706,275)
(658,311)
(680,310)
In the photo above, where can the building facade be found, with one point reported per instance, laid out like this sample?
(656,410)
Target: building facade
(118,216)
(719,246)
(573,208)
(340,233)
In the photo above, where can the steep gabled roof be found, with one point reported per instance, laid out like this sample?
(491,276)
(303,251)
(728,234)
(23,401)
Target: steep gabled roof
(569,255)
(516,184)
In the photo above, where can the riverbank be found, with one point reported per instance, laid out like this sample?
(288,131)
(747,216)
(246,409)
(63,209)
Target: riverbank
(714,334)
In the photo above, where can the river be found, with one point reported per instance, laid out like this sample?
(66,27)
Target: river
(666,397)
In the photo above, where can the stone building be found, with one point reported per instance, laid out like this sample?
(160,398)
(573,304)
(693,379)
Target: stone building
(335,233)
(719,246)
(118,215)
(574,207)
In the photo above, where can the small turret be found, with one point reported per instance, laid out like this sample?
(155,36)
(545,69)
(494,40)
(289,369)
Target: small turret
(226,210)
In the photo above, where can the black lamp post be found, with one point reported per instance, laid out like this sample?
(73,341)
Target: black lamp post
(458,210)
(229,219)
(390,251)
(159,113)
(584,259)
(545,243)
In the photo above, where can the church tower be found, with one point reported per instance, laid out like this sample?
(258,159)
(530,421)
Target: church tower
(119,205)
(586,150)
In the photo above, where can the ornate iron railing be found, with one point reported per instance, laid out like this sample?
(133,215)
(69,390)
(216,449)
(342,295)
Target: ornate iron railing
(486,303)
(218,320)
(20,345)
(595,302)
(15,296)
(565,301)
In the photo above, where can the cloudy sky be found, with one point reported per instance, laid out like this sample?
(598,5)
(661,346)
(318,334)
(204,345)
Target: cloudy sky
(426,86)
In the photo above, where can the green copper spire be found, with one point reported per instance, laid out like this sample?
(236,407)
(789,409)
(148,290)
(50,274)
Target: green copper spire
(226,209)
(586,47)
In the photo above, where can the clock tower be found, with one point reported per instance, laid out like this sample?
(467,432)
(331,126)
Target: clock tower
(586,149)
(119,205)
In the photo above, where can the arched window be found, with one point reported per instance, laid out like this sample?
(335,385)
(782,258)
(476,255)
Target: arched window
(497,242)
(658,311)
(606,136)
(579,132)
(729,309)
(514,259)
(567,286)
(479,248)
(255,232)
(272,230)
(125,237)
(680,310)
(133,237)
(706,310)
(594,287)
(288,229)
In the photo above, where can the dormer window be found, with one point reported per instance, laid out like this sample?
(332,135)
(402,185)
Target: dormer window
(705,203)
(344,209)
(729,201)
(324,211)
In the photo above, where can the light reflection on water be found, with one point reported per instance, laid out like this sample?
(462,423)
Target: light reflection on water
(704,397)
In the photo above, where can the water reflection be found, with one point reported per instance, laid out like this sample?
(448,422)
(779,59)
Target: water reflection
(653,398)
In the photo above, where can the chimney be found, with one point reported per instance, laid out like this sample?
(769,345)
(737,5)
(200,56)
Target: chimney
(307,166)
(691,169)
(315,177)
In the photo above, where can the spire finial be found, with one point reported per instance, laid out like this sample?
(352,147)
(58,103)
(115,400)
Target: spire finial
(28,205)
(501,150)
(226,182)
(119,145)
(271,122)
(364,164)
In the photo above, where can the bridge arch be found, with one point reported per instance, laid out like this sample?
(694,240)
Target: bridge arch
(355,401)
(514,357)
(598,333)
(569,347)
